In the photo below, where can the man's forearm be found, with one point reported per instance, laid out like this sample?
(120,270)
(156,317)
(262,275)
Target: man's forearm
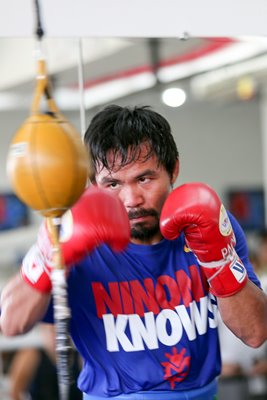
(245,314)
(21,306)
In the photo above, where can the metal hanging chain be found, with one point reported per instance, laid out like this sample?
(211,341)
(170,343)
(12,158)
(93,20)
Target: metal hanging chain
(62,312)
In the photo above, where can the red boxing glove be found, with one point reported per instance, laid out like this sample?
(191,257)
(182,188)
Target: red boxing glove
(98,217)
(196,209)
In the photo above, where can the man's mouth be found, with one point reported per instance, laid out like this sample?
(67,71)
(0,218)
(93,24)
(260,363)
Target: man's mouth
(142,214)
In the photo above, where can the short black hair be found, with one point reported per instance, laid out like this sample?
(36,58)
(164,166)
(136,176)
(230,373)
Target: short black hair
(119,129)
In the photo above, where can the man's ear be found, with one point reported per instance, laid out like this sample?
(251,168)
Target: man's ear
(175,172)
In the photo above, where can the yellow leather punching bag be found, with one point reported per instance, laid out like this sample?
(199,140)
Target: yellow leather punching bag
(47,163)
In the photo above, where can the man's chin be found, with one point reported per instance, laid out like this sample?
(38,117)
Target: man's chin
(144,232)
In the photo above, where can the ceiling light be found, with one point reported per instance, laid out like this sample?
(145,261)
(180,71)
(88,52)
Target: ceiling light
(174,97)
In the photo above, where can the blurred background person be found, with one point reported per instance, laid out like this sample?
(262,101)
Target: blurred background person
(244,369)
(33,374)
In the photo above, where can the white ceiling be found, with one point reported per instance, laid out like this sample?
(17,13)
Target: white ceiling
(139,18)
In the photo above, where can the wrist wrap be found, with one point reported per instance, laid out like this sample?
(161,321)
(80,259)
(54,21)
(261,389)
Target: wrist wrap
(228,278)
(35,270)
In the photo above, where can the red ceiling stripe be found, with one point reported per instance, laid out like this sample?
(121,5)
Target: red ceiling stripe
(210,46)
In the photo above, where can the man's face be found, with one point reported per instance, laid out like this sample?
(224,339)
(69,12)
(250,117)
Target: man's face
(142,186)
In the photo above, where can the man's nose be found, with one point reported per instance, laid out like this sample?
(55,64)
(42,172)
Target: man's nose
(131,196)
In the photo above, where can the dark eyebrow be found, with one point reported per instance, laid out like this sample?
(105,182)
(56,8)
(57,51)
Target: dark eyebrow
(149,172)
(108,179)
